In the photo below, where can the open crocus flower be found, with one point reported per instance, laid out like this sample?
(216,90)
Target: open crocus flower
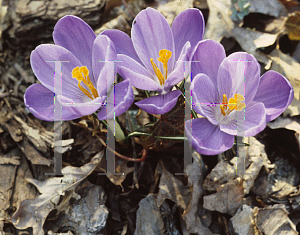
(153,59)
(84,77)
(231,105)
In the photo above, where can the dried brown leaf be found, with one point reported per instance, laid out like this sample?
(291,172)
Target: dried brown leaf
(243,221)
(172,188)
(286,122)
(220,25)
(10,158)
(7,178)
(149,220)
(268,7)
(195,172)
(222,173)
(41,139)
(275,220)
(22,190)
(293,26)
(121,167)
(228,198)
(290,68)
(87,215)
(283,179)
(172,8)
(33,212)
(142,117)
(33,155)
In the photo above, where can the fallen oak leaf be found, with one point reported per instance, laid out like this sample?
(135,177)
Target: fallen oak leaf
(227,199)
(33,212)
(173,189)
(195,172)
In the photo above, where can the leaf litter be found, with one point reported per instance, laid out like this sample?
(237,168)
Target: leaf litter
(33,212)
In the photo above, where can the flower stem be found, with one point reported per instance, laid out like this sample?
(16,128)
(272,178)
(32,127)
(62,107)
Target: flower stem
(192,110)
(181,85)
(104,122)
(144,153)
(147,94)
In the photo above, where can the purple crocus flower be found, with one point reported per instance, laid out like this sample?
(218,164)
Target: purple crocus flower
(84,78)
(153,57)
(215,88)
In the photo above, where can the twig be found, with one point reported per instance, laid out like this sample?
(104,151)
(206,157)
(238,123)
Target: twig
(135,179)
(2,95)
(154,115)
(16,81)
(128,8)
(23,73)
(144,153)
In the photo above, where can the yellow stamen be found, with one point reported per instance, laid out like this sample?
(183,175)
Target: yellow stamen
(233,104)
(222,110)
(82,75)
(157,72)
(164,56)
(85,91)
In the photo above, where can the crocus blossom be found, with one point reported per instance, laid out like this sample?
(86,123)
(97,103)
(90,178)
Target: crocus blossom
(153,59)
(84,77)
(216,95)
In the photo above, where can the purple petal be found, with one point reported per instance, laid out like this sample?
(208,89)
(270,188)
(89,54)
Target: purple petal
(275,92)
(182,69)
(207,58)
(104,62)
(44,70)
(40,102)
(123,98)
(204,97)
(207,138)
(75,35)
(229,84)
(83,108)
(187,26)
(122,43)
(137,74)
(159,104)
(251,121)
(151,33)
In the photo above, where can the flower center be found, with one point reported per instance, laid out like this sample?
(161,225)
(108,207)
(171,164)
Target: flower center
(82,75)
(233,104)
(164,56)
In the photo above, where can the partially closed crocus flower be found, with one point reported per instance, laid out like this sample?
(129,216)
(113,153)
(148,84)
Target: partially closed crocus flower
(153,59)
(231,104)
(84,77)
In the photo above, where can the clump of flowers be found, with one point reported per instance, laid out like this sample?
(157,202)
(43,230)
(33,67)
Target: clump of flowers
(156,58)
